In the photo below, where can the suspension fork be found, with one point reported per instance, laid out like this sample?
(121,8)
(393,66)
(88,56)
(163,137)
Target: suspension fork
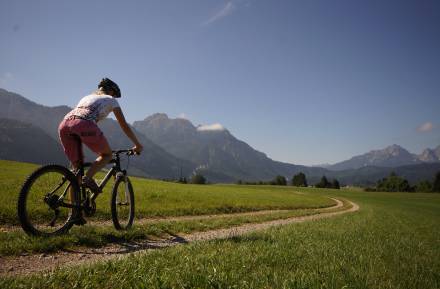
(123,174)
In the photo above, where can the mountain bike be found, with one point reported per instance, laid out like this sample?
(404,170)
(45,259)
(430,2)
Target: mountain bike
(52,198)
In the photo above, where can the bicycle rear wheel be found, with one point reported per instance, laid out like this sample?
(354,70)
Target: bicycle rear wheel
(122,203)
(45,203)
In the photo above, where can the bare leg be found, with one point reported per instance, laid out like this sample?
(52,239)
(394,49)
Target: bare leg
(103,159)
(75,166)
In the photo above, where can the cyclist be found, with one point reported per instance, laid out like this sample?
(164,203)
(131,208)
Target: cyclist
(79,126)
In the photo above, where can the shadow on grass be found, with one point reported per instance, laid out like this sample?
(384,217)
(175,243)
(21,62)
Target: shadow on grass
(126,246)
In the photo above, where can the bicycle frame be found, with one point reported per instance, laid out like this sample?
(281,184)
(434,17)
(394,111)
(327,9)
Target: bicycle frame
(115,169)
(82,195)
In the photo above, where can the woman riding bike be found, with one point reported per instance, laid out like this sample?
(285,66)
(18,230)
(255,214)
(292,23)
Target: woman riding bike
(79,126)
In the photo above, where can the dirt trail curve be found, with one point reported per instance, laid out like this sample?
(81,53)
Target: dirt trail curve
(28,264)
(152,220)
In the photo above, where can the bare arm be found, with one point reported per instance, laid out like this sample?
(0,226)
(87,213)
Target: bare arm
(127,130)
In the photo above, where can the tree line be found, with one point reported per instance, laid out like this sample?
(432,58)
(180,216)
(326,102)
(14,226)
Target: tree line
(392,183)
(395,183)
(298,180)
(197,179)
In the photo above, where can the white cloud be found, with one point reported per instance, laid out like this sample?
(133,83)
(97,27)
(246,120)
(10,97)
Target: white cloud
(425,127)
(5,78)
(211,127)
(183,116)
(223,12)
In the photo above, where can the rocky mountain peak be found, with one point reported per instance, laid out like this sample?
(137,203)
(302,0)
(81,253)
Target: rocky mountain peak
(162,119)
(394,150)
(391,156)
(428,155)
(437,152)
(157,117)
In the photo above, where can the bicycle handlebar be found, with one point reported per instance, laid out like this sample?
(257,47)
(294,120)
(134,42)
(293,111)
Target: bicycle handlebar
(128,152)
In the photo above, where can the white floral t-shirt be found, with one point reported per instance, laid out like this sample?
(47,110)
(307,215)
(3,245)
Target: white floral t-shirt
(94,107)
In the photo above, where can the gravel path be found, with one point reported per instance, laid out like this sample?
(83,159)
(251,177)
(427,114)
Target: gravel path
(28,264)
(152,220)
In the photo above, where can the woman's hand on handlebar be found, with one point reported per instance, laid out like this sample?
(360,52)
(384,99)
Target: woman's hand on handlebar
(138,149)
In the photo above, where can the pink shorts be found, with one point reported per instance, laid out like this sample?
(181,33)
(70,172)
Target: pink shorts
(73,132)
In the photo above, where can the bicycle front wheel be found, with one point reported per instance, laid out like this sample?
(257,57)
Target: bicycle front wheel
(122,203)
(46,201)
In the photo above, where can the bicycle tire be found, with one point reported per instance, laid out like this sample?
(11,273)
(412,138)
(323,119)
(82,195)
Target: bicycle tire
(30,190)
(126,192)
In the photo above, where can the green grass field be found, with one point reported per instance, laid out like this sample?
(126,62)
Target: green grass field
(153,199)
(157,198)
(393,241)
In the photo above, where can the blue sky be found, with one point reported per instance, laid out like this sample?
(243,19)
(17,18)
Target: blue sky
(306,82)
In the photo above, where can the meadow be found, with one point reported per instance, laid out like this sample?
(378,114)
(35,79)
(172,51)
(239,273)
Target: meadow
(153,199)
(393,241)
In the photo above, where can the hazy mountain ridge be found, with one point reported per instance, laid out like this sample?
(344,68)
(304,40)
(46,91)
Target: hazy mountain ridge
(15,140)
(368,176)
(391,156)
(15,106)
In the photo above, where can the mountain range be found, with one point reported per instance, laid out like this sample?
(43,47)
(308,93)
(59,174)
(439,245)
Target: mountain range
(392,156)
(214,148)
(216,162)
(175,147)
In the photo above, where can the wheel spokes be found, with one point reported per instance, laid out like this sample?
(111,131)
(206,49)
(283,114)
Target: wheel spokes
(123,204)
(45,209)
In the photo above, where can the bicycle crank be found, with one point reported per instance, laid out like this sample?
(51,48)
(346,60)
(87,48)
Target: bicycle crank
(89,207)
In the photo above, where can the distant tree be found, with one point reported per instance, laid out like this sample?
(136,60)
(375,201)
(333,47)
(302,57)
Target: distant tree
(239,182)
(393,183)
(279,181)
(335,184)
(323,183)
(436,184)
(198,179)
(182,180)
(254,183)
(299,180)
(424,187)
